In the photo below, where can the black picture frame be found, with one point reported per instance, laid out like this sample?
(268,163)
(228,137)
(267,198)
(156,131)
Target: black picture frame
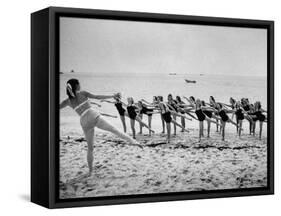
(45,105)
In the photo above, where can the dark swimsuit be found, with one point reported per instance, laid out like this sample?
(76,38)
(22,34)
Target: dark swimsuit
(259,116)
(239,114)
(120,109)
(200,115)
(145,111)
(167,117)
(181,105)
(132,112)
(217,111)
(223,115)
(246,108)
(174,105)
(208,113)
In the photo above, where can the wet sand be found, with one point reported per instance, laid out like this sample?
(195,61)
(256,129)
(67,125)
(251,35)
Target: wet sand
(183,165)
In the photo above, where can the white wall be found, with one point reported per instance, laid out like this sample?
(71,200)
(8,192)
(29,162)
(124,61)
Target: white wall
(15,106)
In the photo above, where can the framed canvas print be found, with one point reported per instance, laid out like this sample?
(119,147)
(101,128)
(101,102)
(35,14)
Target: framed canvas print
(139,107)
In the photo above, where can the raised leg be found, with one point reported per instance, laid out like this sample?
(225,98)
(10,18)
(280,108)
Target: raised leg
(104,125)
(211,120)
(177,124)
(232,122)
(143,124)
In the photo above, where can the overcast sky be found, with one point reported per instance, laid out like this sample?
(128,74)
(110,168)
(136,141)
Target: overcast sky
(108,46)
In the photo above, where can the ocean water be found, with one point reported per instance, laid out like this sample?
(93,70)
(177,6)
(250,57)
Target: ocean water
(145,86)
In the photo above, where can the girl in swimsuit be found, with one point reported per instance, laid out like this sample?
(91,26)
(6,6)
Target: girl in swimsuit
(209,112)
(160,100)
(188,108)
(239,113)
(166,113)
(122,112)
(199,111)
(214,104)
(246,107)
(145,110)
(155,106)
(258,116)
(90,118)
(173,106)
(224,118)
(132,113)
(181,109)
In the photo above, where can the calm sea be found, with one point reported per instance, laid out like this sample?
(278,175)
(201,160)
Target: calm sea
(145,86)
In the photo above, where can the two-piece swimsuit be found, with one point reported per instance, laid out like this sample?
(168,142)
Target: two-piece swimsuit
(88,116)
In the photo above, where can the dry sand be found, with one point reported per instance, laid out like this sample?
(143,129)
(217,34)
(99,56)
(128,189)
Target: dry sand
(183,165)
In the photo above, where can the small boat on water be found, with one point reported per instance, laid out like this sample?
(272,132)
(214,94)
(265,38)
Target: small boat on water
(172,74)
(190,81)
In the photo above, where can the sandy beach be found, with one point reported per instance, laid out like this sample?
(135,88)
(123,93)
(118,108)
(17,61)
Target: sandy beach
(183,165)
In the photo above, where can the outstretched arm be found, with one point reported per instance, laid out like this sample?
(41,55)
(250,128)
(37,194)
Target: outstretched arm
(100,97)
(107,101)
(147,103)
(95,104)
(64,103)
(226,105)
(187,99)
(170,107)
